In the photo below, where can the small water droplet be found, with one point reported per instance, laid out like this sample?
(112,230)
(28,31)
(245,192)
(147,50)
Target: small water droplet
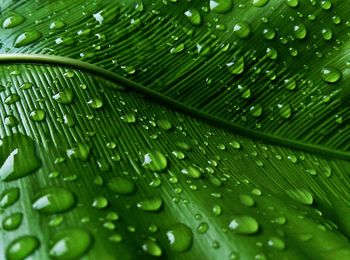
(9,197)
(221,6)
(12,221)
(192,172)
(150,204)
(242,30)
(244,225)
(194,16)
(64,96)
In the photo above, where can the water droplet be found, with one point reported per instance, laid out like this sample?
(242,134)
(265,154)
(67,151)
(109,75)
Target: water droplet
(247,200)
(81,152)
(221,6)
(236,67)
(22,247)
(10,121)
(192,172)
(260,3)
(179,237)
(327,34)
(37,115)
(9,197)
(129,118)
(12,222)
(276,243)
(330,74)
(177,49)
(300,195)
(95,103)
(194,16)
(300,31)
(292,3)
(164,124)
(64,96)
(285,111)
(155,161)
(122,185)
(152,248)
(26,38)
(100,202)
(256,110)
(242,30)
(70,244)
(217,210)
(53,200)
(11,99)
(244,225)
(151,204)
(56,25)
(202,227)
(12,21)
(20,160)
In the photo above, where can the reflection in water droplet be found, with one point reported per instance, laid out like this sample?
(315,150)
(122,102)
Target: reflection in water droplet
(155,161)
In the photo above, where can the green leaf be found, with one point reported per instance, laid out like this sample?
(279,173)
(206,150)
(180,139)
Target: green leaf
(222,142)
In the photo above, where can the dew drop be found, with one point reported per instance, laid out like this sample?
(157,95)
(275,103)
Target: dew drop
(155,161)
(192,172)
(53,200)
(260,3)
(179,237)
(12,21)
(152,248)
(19,157)
(242,30)
(193,16)
(64,96)
(330,74)
(9,197)
(22,247)
(26,38)
(70,244)
(150,204)
(301,195)
(12,221)
(244,225)
(221,6)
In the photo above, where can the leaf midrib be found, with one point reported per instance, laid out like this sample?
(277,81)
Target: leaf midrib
(169,102)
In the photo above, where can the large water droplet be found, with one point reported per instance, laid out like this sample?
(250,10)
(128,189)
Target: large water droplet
(64,96)
(221,6)
(152,248)
(26,38)
(301,195)
(9,197)
(12,21)
(330,74)
(151,204)
(242,30)
(155,161)
(244,225)
(179,237)
(19,157)
(191,172)
(70,244)
(12,221)
(53,200)
(194,16)
(22,247)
